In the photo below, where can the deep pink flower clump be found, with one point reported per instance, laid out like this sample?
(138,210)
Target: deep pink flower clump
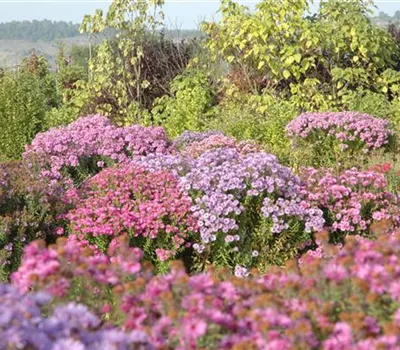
(129,199)
(91,141)
(74,257)
(351,129)
(352,200)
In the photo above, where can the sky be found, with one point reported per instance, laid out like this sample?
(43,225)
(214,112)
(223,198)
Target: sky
(184,14)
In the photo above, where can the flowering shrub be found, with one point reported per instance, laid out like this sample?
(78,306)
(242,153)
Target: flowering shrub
(391,174)
(29,209)
(77,258)
(351,201)
(341,298)
(383,168)
(71,326)
(150,207)
(248,206)
(336,137)
(84,147)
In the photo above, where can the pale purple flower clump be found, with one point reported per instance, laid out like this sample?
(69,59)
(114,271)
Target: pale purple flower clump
(71,326)
(223,179)
(92,139)
(350,129)
(224,184)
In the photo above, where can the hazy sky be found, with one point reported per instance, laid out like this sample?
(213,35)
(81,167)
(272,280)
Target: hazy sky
(186,13)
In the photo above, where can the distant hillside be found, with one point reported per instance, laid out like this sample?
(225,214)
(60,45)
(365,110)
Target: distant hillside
(44,30)
(13,51)
(19,38)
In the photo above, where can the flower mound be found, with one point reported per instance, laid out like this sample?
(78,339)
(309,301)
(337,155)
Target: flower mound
(351,129)
(75,257)
(352,200)
(129,199)
(89,143)
(71,326)
(245,204)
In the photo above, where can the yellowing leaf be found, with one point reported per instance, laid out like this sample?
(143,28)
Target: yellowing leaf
(261,64)
(286,74)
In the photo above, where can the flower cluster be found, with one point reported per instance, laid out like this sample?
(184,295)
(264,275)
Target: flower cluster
(345,298)
(89,143)
(129,199)
(383,168)
(78,258)
(352,200)
(71,326)
(349,128)
(243,202)
(29,209)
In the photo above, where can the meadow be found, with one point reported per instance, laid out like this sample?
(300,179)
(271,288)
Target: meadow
(234,191)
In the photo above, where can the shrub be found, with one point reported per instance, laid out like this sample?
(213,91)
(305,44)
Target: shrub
(312,60)
(249,206)
(22,111)
(352,201)
(189,106)
(339,298)
(259,118)
(84,147)
(29,210)
(150,207)
(135,67)
(336,138)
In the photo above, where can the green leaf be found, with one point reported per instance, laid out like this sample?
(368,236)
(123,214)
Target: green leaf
(286,74)
(297,57)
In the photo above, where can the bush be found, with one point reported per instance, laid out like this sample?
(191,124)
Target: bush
(150,207)
(249,206)
(259,118)
(352,201)
(29,210)
(335,139)
(22,112)
(83,148)
(189,106)
(312,60)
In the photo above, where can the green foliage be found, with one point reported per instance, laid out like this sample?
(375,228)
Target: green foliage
(262,118)
(312,61)
(189,107)
(116,74)
(136,66)
(23,105)
(61,116)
